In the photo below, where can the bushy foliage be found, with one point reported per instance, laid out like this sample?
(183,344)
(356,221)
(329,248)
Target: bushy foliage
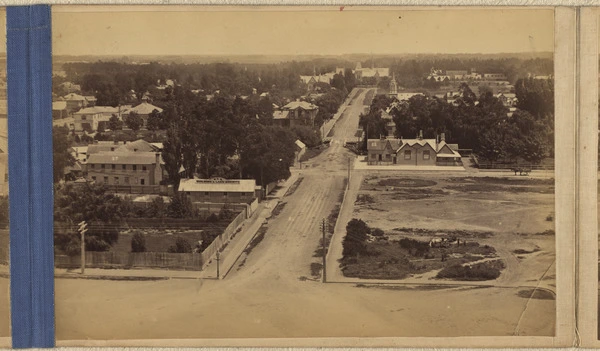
(181,246)
(480,271)
(138,243)
(415,247)
(354,243)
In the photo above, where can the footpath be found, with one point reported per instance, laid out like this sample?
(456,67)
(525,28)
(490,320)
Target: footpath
(227,260)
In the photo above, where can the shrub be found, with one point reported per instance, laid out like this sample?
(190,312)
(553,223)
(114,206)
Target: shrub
(181,246)
(377,232)
(212,218)
(138,243)
(480,271)
(226,214)
(356,236)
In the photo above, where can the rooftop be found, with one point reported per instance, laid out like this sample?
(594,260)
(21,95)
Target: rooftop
(217,185)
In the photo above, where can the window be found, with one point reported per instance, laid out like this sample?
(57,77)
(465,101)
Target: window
(103,166)
(117,180)
(113,166)
(126,180)
(112,149)
(407,154)
(143,181)
(106,180)
(134,167)
(124,167)
(225,194)
(373,155)
(92,166)
(206,193)
(143,168)
(83,118)
(426,155)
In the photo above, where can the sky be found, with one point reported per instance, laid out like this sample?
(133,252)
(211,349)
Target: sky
(145,30)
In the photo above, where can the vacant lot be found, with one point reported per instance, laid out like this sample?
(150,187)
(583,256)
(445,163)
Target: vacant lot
(508,221)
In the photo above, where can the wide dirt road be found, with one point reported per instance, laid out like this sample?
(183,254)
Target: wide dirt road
(270,293)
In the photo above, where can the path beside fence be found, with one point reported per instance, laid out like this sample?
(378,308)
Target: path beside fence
(240,241)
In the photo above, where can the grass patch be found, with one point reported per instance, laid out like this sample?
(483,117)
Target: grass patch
(502,180)
(313,152)
(316,269)
(538,294)
(256,240)
(524,252)
(292,189)
(488,270)
(277,210)
(406,182)
(450,233)
(416,194)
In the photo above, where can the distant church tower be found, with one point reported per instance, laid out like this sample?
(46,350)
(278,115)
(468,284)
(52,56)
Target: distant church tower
(393,86)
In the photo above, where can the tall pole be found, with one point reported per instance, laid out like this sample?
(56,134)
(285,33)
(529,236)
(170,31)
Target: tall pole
(348,182)
(324,254)
(218,259)
(82,252)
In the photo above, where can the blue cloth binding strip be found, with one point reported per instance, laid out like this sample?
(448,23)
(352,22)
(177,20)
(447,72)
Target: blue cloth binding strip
(29,62)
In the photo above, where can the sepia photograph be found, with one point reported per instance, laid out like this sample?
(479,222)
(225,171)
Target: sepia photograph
(226,173)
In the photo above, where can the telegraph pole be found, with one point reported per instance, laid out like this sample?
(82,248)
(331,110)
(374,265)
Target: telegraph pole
(218,259)
(348,182)
(82,229)
(324,227)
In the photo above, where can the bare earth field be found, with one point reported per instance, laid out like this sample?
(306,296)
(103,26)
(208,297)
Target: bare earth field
(271,292)
(513,215)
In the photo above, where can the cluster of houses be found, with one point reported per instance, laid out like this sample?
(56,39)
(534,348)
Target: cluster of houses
(89,118)
(137,167)
(440,75)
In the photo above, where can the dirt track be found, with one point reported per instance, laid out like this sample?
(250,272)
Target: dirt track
(267,295)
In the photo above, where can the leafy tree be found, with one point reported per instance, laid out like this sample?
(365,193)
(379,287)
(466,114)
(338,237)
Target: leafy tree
(134,121)
(309,136)
(61,152)
(267,153)
(157,208)
(155,122)
(172,156)
(114,123)
(138,243)
(181,246)
(180,206)
(91,203)
(354,243)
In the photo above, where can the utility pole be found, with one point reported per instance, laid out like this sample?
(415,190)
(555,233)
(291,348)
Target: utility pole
(82,229)
(348,182)
(324,227)
(218,259)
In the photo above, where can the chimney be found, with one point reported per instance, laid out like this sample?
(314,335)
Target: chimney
(443,137)
(421,134)
(157,158)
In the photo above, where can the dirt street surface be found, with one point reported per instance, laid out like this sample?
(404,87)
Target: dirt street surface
(270,291)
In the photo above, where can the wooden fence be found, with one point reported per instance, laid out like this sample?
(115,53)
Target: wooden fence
(219,241)
(181,261)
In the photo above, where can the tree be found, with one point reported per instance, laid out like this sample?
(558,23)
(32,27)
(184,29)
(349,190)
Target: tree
(134,121)
(309,136)
(93,204)
(172,156)
(267,153)
(138,243)
(155,122)
(181,246)
(61,152)
(114,123)
(354,243)
(180,206)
